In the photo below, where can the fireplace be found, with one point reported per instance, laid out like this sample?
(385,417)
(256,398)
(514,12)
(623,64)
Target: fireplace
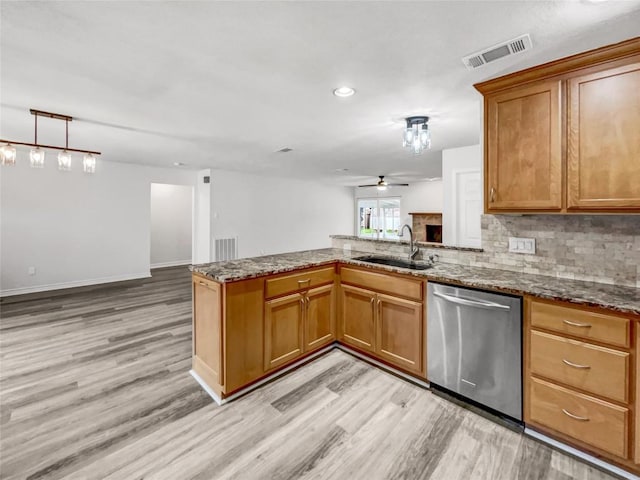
(434,233)
(427,226)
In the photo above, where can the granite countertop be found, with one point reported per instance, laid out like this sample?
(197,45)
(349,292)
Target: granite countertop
(405,242)
(621,299)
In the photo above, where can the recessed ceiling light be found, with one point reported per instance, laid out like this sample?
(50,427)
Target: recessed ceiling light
(342,169)
(284,150)
(179,164)
(344,92)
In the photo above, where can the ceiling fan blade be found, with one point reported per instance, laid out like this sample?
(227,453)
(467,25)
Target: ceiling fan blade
(397,184)
(373,185)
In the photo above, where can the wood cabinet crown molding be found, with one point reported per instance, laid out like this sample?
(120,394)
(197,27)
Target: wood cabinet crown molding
(562,66)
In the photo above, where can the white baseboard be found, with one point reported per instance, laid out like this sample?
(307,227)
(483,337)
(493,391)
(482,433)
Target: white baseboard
(384,366)
(261,382)
(80,283)
(206,388)
(175,263)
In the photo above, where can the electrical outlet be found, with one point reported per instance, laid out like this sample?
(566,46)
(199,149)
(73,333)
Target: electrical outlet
(31,270)
(522,245)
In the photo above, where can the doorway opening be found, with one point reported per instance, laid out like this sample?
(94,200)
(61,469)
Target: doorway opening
(171,236)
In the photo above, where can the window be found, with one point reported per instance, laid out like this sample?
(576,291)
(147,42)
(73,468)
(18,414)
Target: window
(378,218)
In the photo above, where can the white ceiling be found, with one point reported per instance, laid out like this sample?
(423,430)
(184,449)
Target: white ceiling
(225,84)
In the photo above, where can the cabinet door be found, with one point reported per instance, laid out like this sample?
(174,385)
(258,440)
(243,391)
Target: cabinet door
(320,325)
(358,317)
(283,330)
(400,332)
(207,332)
(603,152)
(524,148)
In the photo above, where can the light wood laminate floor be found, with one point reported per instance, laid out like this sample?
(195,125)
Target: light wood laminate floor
(95,385)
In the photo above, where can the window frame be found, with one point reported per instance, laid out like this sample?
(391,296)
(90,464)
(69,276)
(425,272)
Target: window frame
(379,235)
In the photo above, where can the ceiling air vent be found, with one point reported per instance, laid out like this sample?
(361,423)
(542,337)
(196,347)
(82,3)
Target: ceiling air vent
(504,49)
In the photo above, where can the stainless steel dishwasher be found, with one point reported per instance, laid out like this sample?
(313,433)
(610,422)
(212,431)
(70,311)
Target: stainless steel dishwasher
(474,346)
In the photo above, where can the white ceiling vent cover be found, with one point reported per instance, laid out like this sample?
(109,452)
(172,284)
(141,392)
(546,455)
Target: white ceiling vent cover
(510,47)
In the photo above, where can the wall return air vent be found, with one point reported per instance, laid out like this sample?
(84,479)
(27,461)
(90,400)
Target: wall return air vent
(510,47)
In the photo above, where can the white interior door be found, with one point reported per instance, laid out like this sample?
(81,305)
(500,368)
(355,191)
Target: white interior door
(468,208)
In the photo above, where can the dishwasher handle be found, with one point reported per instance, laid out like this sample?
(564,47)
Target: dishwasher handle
(472,303)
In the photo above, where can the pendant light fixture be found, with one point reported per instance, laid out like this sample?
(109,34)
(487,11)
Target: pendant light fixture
(37,154)
(8,154)
(416,135)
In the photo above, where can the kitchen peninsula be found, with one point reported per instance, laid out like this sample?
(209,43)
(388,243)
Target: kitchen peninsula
(256,318)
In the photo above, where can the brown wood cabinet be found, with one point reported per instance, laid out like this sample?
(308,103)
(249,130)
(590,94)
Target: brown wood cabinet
(358,317)
(400,332)
(603,156)
(283,330)
(207,330)
(320,318)
(563,137)
(228,332)
(524,158)
(579,378)
(389,327)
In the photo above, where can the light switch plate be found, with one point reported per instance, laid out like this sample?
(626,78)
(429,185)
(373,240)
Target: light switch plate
(522,245)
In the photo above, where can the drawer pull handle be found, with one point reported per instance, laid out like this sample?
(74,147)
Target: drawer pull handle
(300,282)
(492,195)
(574,324)
(575,365)
(575,417)
(203,284)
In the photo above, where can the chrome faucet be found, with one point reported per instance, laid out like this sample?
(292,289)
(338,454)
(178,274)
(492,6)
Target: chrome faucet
(413,249)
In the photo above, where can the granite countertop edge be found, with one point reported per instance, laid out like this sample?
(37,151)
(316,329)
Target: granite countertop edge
(406,242)
(593,294)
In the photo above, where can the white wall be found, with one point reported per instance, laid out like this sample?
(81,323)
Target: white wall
(74,228)
(453,160)
(171,224)
(275,215)
(417,197)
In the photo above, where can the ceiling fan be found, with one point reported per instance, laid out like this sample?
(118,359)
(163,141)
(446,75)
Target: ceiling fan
(383,184)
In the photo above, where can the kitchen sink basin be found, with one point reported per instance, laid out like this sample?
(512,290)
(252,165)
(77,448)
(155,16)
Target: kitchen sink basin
(394,262)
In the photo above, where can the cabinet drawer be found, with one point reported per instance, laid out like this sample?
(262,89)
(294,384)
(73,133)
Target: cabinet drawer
(584,418)
(381,282)
(581,323)
(298,281)
(596,369)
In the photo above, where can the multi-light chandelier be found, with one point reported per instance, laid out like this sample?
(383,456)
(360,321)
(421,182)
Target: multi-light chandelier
(8,153)
(417,136)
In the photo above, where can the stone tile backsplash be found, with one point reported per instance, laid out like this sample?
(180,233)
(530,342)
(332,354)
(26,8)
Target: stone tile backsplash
(598,248)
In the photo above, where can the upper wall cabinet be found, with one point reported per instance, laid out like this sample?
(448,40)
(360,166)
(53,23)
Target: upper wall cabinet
(524,163)
(564,137)
(603,148)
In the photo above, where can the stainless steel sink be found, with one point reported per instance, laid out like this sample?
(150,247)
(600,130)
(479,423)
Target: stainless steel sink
(394,262)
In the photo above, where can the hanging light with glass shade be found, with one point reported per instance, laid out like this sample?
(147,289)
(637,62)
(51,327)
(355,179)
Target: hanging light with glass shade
(416,135)
(8,152)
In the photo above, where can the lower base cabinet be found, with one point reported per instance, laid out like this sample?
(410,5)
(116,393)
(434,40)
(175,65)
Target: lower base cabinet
(581,384)
(400,332)
(358,317)
(389,327)
(283,330)
(320,324)
(296,324)
(207,330)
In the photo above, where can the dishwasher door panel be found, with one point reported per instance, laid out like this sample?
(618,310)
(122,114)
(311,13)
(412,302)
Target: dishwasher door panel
(474,346)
